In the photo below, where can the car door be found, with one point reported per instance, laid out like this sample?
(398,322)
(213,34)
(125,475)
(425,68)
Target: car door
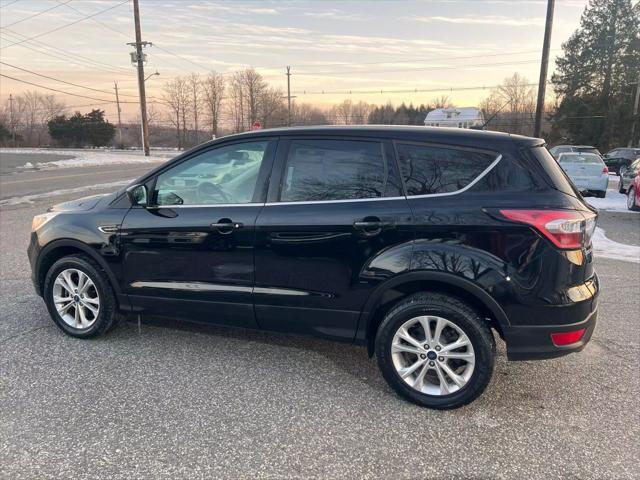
(190,252)
(334,206)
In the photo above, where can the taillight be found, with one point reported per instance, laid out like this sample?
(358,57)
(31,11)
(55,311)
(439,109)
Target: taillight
(567,229)
(605,169)
(567,338)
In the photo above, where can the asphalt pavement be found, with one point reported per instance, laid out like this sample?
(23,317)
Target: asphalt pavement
(172,400)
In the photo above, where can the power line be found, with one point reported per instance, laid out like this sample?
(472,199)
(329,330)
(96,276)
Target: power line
(36,14)
(62,81)
(60,91)
(9,4)
(417,59)
(67,24)
(99,22)
(415,90)
(446,67)
(68,56)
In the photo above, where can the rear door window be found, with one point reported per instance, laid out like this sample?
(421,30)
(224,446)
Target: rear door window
(321,170)
(429,170)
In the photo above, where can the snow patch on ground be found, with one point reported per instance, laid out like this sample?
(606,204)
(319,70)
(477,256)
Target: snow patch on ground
(67,191)
(613,202)
(606,248)
(90,158)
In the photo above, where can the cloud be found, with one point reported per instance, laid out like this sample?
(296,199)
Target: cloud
(497,20)
(336,14)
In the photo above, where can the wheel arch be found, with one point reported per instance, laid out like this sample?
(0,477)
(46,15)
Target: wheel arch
(400,286)
(58,249)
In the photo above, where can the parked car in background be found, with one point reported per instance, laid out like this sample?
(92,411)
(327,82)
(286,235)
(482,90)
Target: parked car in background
(587,171)
(619,159)
(628,175)
(417,243)
(633,194)
(558,149)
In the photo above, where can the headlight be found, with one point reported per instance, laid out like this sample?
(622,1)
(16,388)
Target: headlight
(40,220)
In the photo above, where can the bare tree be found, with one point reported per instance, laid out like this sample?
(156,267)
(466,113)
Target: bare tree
(307,114)
(443,101)
(194,85)
(175,97)
(236,103)
(342,113)
(272,109)
(511,106)
(213,87)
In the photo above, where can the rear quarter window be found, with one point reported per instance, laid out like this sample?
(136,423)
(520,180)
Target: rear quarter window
(554,173)
(428,170)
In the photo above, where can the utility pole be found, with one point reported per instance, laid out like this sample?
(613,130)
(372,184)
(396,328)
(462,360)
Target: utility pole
(542,83)
(289,96)
(140,60)
(636,114)
(13,125)
(119,111)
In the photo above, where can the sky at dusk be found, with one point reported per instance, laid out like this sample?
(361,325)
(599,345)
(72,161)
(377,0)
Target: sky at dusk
(336,47)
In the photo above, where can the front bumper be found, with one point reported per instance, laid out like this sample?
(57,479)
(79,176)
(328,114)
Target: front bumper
(534,342)
(32,252)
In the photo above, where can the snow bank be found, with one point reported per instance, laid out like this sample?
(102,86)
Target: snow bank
(89,158)
(67,191)
(606,248)
(613,202)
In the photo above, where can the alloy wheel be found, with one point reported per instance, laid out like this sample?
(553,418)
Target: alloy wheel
(76,298)
(433,355)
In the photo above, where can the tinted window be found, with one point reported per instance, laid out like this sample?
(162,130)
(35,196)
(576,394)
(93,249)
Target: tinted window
(556,176)
(221,175)
(580,159)
(428,170)
(333,170)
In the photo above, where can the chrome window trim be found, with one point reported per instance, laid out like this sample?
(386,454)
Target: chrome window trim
(464,189)
(347,200)
(206,205)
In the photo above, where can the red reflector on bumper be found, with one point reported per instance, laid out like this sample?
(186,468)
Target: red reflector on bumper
(567,338)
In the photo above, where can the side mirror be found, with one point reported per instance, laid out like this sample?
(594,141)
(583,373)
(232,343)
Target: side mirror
(138,195)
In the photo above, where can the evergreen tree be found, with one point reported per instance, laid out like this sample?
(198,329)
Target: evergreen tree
(80,130)
(595,75)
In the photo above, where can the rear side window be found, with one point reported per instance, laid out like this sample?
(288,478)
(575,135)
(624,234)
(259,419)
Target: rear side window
(333,170)
(428,170)
(555,174)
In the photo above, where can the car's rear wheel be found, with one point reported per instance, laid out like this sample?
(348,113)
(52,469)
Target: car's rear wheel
(435,350)
(80,300)
(631,199)
(621,188)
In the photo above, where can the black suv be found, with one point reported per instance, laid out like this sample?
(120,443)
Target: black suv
(415,242)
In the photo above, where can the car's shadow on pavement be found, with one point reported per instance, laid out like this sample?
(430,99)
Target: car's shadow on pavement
(350,359)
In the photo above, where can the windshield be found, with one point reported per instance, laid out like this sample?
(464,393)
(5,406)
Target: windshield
(580,159)
(588,150)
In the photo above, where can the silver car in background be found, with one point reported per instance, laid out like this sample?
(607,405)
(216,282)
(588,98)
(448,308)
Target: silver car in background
(587,171)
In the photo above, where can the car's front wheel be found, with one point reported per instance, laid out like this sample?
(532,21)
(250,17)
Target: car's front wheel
(435,350)
(79,298)
(631,199)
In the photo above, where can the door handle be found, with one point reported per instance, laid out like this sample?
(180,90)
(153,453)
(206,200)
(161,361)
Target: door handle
(226,226)
(372,225)
(369,226)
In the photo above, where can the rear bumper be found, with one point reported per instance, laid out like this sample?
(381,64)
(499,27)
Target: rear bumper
(534,342)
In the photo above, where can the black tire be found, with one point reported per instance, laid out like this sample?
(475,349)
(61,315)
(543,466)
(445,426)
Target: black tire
(457,312)
(108,314)
(601,193)
(621,188)
(631,204)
